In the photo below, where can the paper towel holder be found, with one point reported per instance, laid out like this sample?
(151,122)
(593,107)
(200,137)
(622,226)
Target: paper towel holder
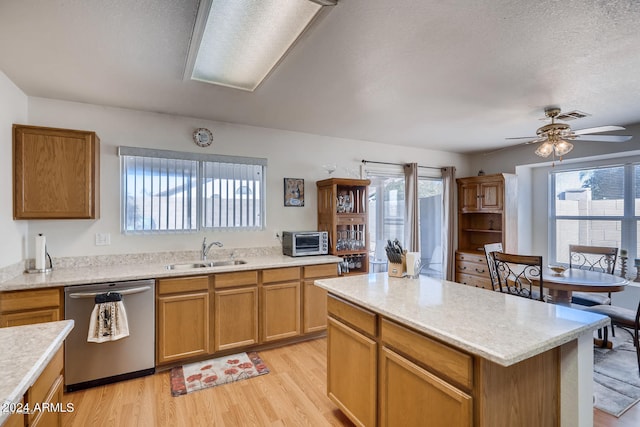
(42,270)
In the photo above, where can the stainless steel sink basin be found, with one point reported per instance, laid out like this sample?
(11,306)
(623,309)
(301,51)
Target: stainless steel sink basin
(228,262)
(204,264)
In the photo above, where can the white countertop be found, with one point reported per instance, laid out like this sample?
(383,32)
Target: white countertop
(24,353)
(101,274)
(502,328)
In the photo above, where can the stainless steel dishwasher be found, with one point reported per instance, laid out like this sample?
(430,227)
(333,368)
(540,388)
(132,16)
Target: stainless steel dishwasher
(88,364)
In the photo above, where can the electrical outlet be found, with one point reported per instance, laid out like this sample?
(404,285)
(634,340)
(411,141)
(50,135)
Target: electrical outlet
(103,239)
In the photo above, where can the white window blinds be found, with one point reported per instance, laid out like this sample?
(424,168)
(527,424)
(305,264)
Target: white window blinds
(170,191)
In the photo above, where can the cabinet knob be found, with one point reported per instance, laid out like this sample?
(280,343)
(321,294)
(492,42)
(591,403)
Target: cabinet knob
(462,267)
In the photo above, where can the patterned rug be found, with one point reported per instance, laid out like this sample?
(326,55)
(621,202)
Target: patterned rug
(616,377)
(210,373)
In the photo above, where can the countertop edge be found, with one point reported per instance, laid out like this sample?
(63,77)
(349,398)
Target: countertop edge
(36,370)
(90,275)
(472,348)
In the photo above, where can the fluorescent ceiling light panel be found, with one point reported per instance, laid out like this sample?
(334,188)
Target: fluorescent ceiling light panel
(244,39)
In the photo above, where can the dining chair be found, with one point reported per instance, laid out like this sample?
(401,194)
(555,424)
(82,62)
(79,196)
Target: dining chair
(519,274)
(624,318)
(595,258)
(488,249)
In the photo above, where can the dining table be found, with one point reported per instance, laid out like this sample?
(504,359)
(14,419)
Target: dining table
(560,286)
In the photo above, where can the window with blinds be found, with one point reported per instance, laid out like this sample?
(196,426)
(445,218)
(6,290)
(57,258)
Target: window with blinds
(170,191)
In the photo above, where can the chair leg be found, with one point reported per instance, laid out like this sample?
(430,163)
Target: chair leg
(637,345)
(605,340)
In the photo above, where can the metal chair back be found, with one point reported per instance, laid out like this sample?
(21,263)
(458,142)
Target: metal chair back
(519,275)
(596,258)
(488,249)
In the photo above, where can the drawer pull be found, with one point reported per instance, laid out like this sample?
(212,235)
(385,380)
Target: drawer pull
(462,267)
(479,271)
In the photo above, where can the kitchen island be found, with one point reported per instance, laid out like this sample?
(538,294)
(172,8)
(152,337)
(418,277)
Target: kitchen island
(404,350)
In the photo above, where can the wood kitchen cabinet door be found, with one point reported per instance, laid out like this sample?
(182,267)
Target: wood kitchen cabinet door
(352,375)
(183,326)
(409,395)
(19,308)
(56,173)
(314,303)
(236,317)
(280,311)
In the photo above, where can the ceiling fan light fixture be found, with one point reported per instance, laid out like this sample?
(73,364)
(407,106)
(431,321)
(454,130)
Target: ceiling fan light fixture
(545,149)
(562,147)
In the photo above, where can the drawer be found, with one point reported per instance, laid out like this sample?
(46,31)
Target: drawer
(347,219)
(471,257)
(28,300)
(322,270)
(238,278)
(359,318)
(468,267)
(287,274)
(183,284)
(39,391)
(472,280)
(440,358)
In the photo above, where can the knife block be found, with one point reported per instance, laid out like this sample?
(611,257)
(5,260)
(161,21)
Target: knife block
(398,269)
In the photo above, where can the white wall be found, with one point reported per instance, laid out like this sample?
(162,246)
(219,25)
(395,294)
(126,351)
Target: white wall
(290,154)
(13,109)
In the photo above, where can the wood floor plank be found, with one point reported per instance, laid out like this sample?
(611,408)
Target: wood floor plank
(292,394)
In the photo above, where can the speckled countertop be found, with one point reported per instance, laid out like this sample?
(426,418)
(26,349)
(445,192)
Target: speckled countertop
(24,353)
(108,273)
(502,328)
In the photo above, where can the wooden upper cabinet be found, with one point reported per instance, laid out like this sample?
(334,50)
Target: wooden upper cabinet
(477,196)
(56,173)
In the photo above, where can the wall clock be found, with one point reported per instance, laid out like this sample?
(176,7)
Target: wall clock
(202,137)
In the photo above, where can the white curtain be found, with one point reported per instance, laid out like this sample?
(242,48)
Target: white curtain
(448,214)
(412,211)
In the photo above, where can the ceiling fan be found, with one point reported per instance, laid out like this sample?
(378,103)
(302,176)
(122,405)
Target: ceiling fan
(556,136)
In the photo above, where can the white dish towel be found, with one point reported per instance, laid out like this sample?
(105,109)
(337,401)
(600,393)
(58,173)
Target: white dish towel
(108,319)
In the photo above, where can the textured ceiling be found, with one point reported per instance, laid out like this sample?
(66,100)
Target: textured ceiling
(450,75)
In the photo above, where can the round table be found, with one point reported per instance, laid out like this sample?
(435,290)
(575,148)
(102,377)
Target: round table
(561,286)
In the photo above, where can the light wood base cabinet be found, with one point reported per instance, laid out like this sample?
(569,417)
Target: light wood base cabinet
(410,395)
(351,370)
(183,319)
(44,398)
(19,308)
(314,304)
(236,310)
(280,303)
(423,381)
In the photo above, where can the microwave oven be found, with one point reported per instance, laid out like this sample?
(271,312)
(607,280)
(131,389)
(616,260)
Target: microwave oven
(303,243)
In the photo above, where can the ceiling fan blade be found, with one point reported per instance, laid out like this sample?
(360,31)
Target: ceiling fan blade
(604,138)
(523,137)
(598,129)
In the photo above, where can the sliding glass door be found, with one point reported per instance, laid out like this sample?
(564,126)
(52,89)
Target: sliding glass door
(387,219)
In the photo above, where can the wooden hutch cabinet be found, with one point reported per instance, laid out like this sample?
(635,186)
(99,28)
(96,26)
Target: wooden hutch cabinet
(342,211)
(56,173)
(487,213)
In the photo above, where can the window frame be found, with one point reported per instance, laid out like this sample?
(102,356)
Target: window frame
(125,152)
(628,221)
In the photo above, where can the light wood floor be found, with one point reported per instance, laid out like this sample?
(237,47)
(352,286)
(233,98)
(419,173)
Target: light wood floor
(292,394)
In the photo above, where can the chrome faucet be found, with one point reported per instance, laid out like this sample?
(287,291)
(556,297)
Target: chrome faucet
(205,248)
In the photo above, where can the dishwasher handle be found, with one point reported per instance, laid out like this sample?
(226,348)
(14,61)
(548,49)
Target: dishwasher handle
(129,291)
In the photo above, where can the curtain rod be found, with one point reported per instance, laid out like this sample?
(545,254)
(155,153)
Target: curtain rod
(398,164)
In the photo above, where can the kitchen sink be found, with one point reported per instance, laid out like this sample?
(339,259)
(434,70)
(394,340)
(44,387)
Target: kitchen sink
(204,264)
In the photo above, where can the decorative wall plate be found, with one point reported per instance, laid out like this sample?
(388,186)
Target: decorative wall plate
(202,137)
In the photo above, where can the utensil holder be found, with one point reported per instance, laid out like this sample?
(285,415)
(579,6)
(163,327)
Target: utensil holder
(398,269)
